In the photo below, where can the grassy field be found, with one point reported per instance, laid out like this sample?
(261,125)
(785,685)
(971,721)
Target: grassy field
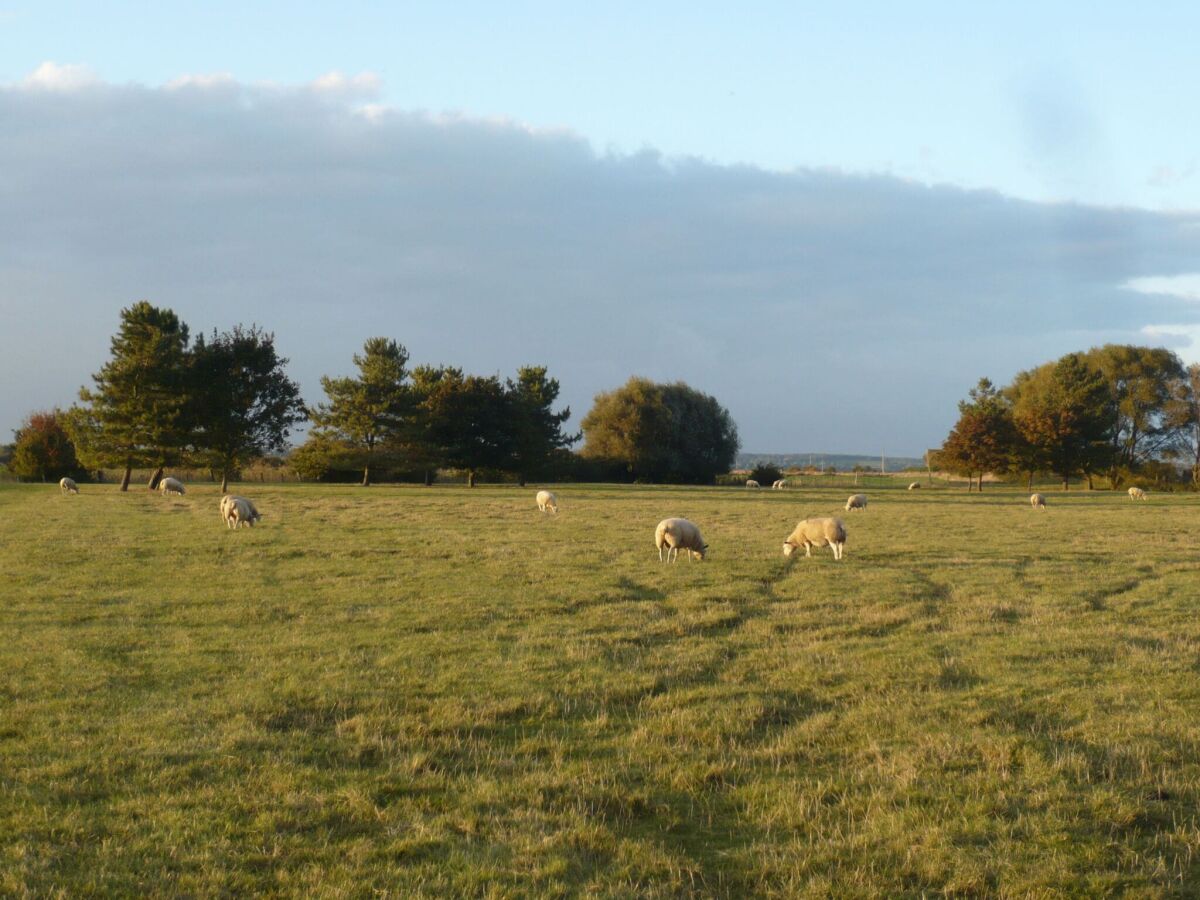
(408,691)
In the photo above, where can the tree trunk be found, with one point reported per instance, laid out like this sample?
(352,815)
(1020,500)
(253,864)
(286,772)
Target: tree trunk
(125,477)
(470,478)
(155,479)
(1066,482)
(981,482)
(1089,477)
(1031,480)
(366,482)
(521,481)
(428,478)
(225,481)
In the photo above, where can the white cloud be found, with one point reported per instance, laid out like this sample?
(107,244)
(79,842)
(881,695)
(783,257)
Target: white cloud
(203,82)
(50,76)
(1185,286)
(335,82)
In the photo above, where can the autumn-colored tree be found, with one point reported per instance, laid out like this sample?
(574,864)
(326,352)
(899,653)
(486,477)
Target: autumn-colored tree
(42,449)
(984,437)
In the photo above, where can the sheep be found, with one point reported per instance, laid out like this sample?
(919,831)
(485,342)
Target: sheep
(751,483)
(171,486)
(1037,501)
(1136,493)
(817,533)
(68,486)
(856,501)
(238,511)
(779,485)
(915,486)
(676,533)
(547,501)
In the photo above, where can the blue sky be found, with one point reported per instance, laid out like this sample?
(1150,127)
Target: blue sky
(898,198)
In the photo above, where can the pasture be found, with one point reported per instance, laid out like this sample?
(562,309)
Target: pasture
(413,691)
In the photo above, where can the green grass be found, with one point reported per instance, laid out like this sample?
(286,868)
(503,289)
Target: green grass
(413,691)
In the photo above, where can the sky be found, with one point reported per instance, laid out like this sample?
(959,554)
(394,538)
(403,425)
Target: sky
(833,219)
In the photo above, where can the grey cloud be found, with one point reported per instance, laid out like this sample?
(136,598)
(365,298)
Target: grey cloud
(828,311)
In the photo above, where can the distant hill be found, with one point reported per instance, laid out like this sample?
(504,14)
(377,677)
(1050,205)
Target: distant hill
(843,462)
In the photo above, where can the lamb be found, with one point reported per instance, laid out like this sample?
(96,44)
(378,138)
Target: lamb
(1037,501)
(68,486)
(547,501)
(856,501)
(1136,493)
(915,486)
(237,511)
(171,486)
(676,533)
(751,483)
(779,485)
(817,533)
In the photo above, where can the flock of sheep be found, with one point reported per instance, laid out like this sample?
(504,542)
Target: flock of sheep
(235,511)
(671,535)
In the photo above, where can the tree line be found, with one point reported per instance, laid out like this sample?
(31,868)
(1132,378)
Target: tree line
(225,399)
(1117,411)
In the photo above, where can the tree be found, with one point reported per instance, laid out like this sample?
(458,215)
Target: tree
(42,449)
(983,438)
(766,473)
(661,432)
(1142,382)
(536,428)
(372,408)
(467,421)
(134,416)
(242,403)
(1064,411)
(1183,416)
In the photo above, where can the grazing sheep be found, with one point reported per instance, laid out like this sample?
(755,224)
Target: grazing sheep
(779,485)
(915,486)
(68,486)
(751,483)
(237,511)
(547,501)
(676,533)
(817,533)
(1037,501)
(856,501)
(171,486)
(1136,493)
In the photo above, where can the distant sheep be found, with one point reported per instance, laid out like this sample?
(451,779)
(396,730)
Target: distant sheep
(779,485)
(547,501)
(68,486)
(171,486)
(856,501)
(1136,493)
(915,486)
(676,534)
(1037,501)
(751,483)
(817,533)
(236,511)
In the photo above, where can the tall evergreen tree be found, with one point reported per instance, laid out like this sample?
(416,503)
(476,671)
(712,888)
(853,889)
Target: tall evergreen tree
(242,402)
(135,413)
(371,409)
(537,429)
(468,422)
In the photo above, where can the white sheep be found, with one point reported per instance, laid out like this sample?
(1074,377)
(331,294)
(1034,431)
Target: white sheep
(68,486)
(751,483)
(915,486)
(779,485)
(811,533)
(171,486)
(1136,493)
(856,501)
(679,533)
(547,501)
(237,511)
(1037,501)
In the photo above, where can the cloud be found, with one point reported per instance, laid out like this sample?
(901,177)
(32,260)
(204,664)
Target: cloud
(51,76)
(1185,286)
(825,309)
